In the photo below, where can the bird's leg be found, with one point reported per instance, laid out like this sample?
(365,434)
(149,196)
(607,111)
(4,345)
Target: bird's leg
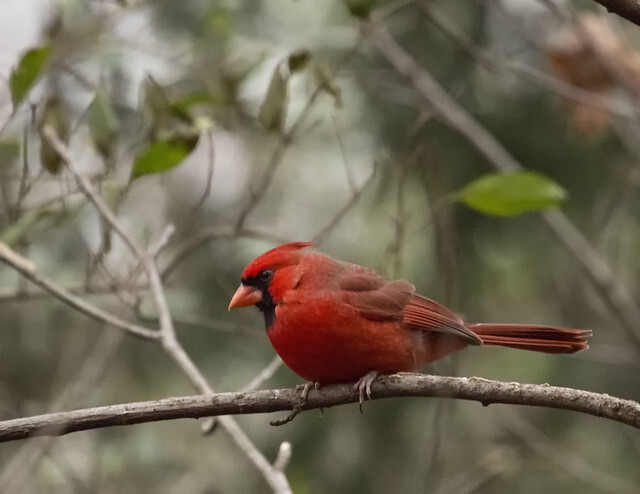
(301,401)
(363,385)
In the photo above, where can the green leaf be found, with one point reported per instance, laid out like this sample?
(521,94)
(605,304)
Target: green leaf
(182,106)
(508,194)
(298,60)
(360,8)
(103,123)
(163,155)
(26,73)
(272,111)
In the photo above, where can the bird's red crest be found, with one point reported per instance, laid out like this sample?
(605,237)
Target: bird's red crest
(284,255)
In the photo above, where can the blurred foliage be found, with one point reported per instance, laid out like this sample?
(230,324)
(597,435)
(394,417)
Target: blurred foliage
(509,194)
(26,72)
(203,100)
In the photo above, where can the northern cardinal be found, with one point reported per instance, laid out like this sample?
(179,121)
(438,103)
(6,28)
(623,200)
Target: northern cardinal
(332,321)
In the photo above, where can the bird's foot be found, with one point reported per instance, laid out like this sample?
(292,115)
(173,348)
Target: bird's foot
(305,391)
(363,385)
(301,401)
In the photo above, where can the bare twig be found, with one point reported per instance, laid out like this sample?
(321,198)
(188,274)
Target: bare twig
(89,190)
(169,340)
(211,233)
(27,269)
(323,232)
(258,192)
(283,458)
(285,141)
(23,295)
(265,374)
(351,181)
(499,65)
(210,169)
(397,385)
(23,463)
(163,242)
(558,455)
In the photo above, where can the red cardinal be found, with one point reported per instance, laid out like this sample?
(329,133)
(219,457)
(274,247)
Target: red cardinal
(332,321)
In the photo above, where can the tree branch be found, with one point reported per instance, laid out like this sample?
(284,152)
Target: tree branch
(629,9)
(397,385)
(27,269)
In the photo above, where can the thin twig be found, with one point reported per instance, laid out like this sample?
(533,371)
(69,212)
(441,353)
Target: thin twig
(205,235)
(264,375)
(560,456)
(210,169)
(493,63)
(351,181)
(323,232)
(285,140)
(89,190)
(168,333)
(28,270)
(23,463)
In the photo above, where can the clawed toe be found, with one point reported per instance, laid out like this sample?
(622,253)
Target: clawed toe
(363,385)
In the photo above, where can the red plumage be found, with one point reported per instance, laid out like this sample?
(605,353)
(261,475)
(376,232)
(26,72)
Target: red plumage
(332,321)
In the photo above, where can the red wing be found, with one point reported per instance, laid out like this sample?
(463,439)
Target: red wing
(378,299)
(375,297)
(424,314)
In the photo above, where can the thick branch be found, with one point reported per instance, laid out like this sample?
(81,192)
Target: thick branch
(629,9)
(397,385)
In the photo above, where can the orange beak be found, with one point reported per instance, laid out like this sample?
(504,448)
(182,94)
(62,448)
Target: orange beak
(245,296)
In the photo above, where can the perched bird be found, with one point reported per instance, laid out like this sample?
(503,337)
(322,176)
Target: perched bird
(333,321)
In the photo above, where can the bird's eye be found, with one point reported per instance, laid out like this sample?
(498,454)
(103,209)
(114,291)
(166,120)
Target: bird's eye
(266,275)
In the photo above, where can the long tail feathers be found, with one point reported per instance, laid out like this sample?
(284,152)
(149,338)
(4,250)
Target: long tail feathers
(547,339)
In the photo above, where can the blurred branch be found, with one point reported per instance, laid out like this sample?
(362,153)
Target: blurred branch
(499,65)
(211,162)
(20,468)
(167,330)
(264,374)
(397,385)
(285,140)
(323,232)
(197,240)
(606,282)
(557,454)
(23,295)
(28,270)
(89,190)
(628,9)
(257,193)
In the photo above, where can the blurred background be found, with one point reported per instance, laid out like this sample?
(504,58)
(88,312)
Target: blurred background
(247,124)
